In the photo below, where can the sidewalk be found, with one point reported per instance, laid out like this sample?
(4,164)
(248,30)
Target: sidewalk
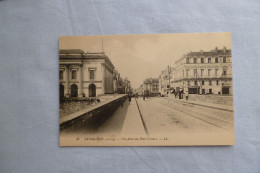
(133,123)
(204,104)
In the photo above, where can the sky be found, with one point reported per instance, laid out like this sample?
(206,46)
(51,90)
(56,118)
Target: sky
(141,56)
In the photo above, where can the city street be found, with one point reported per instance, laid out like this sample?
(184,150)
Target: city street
(163,115)
(169,116)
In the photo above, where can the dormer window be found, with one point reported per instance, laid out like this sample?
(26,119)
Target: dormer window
(187,60)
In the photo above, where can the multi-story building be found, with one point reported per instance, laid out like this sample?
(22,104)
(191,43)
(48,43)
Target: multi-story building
(165,80)
(124,86)
(204,72)
(85,74)
(151,86)
(116,77)
(139,90)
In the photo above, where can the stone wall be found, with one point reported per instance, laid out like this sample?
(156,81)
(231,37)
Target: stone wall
(92,117)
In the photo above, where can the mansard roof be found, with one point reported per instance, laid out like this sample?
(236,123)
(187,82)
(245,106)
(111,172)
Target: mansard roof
(211,53)
(71,51)
(151,80)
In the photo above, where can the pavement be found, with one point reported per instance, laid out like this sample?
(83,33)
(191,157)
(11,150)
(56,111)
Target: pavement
(133,123)
(125,121)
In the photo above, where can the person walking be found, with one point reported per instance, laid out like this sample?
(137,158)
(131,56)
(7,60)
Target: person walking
(129,98)
(187,95)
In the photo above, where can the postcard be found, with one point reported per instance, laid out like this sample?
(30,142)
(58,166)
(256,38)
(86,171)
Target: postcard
(146,90)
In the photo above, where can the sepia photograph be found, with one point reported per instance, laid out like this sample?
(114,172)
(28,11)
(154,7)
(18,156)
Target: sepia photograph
(146,90)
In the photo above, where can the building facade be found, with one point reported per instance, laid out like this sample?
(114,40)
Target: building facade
(204,72)
(124,86)
(151,86)
(85,74)
(165,79)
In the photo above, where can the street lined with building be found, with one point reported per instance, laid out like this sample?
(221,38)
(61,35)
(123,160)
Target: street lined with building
(193,95)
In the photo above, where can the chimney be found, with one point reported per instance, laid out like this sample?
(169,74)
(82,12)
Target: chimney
(216,49)
(224,49)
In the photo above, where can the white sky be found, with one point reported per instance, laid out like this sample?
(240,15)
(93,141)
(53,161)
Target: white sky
(141,56)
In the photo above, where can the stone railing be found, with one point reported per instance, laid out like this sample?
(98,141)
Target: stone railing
(217,99)
(91,117)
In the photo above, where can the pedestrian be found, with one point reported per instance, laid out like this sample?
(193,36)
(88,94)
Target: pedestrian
(144,97)
(187,95)
(129,98)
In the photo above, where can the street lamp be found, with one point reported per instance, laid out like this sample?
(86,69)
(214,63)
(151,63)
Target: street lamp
(169,71)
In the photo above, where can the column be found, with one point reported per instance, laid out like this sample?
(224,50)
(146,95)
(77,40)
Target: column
(67,81)
(80,81)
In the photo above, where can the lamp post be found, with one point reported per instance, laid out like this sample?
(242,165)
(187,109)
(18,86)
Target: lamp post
(196,78)
(169,71)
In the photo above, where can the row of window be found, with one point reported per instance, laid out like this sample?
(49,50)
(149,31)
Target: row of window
(203,82)
(202,60)
(74,74)
(195,72)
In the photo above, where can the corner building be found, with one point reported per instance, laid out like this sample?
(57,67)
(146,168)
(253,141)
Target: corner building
(205,72)
(85,74)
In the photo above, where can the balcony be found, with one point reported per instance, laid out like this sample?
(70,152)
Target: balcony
(192,77)
(226,84)
(226,76)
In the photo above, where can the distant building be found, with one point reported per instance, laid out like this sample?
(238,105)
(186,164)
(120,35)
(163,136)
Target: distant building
(116,78)
(204,72)
(165,79)
(124,86)
(151,86)
(140,90)
(85,74)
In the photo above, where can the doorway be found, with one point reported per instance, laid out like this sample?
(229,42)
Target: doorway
(92,90)
(74,90)
(61,91)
